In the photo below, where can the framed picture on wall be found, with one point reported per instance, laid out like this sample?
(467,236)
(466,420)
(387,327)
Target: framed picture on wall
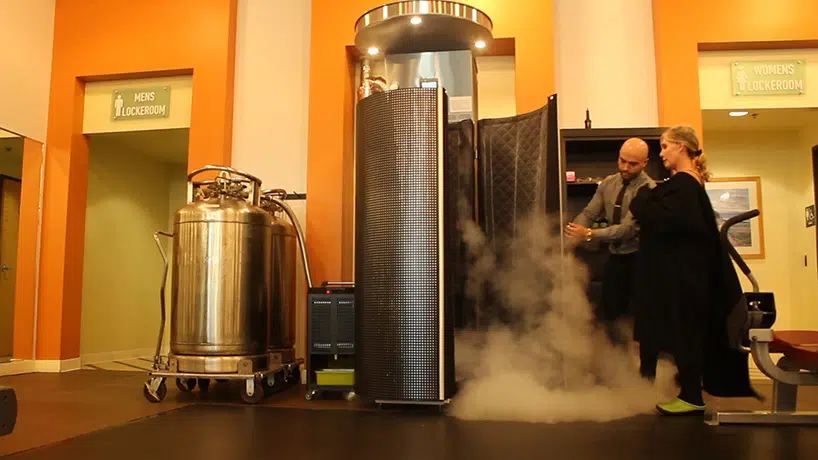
(734,195)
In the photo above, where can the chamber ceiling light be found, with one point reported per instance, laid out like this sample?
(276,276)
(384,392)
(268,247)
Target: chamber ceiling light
(480,44)
(738,114)
(416,20)
(373,51)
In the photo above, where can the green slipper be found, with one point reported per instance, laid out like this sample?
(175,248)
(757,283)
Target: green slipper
(680,407)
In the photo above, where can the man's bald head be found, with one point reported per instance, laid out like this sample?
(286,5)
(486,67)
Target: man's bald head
(633,157)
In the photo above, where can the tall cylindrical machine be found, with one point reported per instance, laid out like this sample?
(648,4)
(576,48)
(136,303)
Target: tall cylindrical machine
(414,186)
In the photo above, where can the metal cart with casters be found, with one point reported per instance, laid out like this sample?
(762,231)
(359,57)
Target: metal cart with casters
(231,315)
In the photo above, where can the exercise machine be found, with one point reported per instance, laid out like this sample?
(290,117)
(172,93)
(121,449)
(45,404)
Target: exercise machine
(798,365)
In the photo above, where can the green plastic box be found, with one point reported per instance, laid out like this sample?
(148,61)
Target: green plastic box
(335,377)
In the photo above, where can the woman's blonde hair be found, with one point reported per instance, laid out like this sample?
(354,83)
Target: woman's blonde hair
(686,136)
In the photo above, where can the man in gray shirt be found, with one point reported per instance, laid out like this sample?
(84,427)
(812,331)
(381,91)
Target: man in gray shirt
(611,201)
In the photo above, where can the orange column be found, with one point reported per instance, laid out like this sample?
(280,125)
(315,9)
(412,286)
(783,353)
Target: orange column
(108,39)
(329,191)
(25,285)
(682,27)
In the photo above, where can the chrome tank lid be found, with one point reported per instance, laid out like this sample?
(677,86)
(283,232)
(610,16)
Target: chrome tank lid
(222,209)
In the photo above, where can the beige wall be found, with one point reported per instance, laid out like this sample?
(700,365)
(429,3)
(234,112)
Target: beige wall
(26,42)
(784,165)
(99,100)
(495,87)
(605,62)
(715,82)
(130,196)
(271,104)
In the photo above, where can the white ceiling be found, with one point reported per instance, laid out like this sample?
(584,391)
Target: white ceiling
(761,120)
(169,145)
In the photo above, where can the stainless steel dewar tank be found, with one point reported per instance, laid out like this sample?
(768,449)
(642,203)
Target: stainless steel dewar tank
(233,294)
(286,238)
(222,273)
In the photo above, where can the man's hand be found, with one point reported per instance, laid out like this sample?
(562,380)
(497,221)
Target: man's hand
(576,231)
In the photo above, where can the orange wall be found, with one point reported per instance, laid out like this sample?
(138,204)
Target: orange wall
(111,39)
(530,22)
(27,250)
(682,26)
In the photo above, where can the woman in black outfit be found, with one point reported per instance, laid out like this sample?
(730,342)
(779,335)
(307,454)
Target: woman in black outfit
(688,284)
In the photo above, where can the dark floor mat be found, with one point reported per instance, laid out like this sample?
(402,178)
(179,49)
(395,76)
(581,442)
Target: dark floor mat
(204,432)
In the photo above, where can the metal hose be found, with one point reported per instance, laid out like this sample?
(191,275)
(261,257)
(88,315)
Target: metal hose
(300,235)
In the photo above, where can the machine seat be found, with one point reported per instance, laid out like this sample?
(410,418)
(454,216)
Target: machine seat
(799,346)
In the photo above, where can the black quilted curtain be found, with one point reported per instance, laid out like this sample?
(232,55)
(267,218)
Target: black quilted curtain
(518,173)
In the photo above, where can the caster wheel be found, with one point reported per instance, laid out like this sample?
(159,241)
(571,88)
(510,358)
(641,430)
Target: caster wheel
(185,385)
(294,375)
(350,396)
(257,396)
(274,383)
(309,395)
(160,394)
(204,385)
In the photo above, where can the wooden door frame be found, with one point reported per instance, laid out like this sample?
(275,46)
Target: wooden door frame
(815,190)
(3,179)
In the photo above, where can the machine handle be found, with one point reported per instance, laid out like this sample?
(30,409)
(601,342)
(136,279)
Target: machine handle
(275,191)
(256,196)
(725,228)
(338,283)
(157,356)
(300,235)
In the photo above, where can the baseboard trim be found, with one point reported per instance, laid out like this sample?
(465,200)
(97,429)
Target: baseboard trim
(109,356)
(24,366)
(57,365)
(28,366)
(757,376)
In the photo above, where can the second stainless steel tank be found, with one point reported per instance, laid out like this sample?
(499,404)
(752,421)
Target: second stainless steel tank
(283,249)
(286,238)
(222,269)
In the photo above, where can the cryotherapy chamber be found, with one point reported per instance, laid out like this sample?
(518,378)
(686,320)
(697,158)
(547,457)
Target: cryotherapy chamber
(425,164)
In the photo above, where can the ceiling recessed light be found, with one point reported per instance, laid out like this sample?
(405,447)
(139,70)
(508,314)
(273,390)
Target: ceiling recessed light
(416,20)
(738,114)
(480,44)
(373,51)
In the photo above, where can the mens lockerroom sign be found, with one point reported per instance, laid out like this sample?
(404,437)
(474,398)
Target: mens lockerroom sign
(140,103)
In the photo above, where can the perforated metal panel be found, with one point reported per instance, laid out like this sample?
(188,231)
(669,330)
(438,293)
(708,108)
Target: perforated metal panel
(401,320)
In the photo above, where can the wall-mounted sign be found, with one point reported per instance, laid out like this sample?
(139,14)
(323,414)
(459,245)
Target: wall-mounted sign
(140,103)
(809,215)
(766,78)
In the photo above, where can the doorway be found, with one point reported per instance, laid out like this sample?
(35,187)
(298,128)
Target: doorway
(11,169)
(136,182)
(772,148)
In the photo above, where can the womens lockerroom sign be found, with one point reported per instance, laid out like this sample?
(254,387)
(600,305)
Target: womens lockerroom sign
(140,103)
